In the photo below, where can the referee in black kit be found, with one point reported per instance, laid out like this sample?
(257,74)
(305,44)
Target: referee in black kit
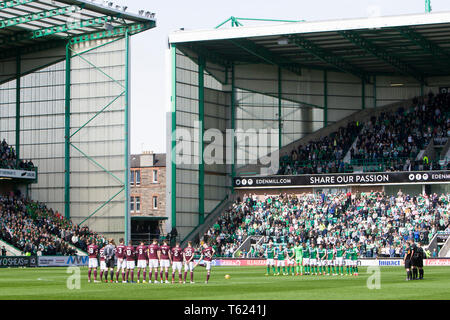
(407,260)
(417,262)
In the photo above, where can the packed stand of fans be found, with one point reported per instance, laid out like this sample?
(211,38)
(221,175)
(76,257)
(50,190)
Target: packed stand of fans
(380,225)
(323,156)
(392,141)
(33,228)
(8,158)
(389,142)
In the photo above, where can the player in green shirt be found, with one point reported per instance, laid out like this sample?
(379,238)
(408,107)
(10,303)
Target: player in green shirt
(330,259)
(339,258)
(281,257)
(348,259)
(290,255)
(321,261)
(355,260)
(305,251)
(313,258)
(270,254)
(298,258)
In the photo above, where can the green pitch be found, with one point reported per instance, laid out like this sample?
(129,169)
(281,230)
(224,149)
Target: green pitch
(246,283)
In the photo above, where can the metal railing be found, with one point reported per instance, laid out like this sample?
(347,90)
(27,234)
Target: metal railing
(368,165)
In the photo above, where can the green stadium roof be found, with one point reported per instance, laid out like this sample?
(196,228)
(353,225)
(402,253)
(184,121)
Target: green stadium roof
(29,25)
(417,45)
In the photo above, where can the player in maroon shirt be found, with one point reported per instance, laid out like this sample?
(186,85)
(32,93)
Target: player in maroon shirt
(153,260)
(188,256)
(93,262)
(177,261)
(164,260)
(121,262)
(129,254)
(102,263)
(141,252)
(207,254)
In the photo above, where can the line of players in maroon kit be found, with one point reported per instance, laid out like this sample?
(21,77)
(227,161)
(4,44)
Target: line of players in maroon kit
(153,256)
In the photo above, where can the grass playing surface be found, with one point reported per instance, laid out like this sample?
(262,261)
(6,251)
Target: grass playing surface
(246,283)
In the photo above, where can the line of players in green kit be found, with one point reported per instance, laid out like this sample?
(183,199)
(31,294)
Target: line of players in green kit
(307,259)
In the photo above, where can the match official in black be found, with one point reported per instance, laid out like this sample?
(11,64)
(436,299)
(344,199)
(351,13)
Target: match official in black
(415,257)
(421,256)
(407,262)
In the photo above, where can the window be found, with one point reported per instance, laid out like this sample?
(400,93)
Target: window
(155,202)
(132,177)
(155,175)
(132,204)
(138,177)
(138,204)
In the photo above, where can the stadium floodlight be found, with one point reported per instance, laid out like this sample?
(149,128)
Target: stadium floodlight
(397,84)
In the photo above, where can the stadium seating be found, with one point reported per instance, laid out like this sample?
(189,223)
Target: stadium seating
(8,158)
(379,224)
(32,227)
(389,142)
(323,156)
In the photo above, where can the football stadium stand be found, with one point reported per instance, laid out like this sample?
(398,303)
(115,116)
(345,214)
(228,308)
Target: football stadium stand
(33,228)
(394,140)
(379,224)
(8,158)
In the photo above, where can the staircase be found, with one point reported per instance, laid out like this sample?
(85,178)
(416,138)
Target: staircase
(247,244)
(10,250)
(197,233)
(445,248)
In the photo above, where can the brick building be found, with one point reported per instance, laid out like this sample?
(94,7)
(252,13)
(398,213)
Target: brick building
(148,195)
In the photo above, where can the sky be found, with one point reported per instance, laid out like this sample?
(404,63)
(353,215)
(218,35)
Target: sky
(148,49)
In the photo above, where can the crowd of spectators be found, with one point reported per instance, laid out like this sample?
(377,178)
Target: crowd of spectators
(33,228)
(394,139)
(388,142)
(8,158)
(379,224)
(325,155)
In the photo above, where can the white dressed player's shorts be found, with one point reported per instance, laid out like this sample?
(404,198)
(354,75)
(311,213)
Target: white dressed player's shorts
(165,263)
(153,263)
(305,261)
(270,262)
(189,266)
(130,265)
(177,265)
(93,263)
(348,262)
(339,261)
(330,263)
(313,262)
(207,265)
(103,265)
(280,263)
(142,264)
(121,264)
(291,262)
